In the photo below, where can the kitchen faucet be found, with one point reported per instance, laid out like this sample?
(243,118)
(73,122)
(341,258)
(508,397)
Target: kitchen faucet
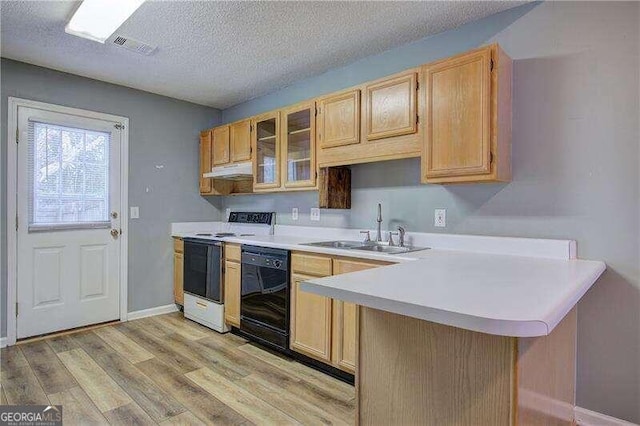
(379,220)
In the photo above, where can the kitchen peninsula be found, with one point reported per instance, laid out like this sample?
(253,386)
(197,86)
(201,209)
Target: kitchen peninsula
(466,338)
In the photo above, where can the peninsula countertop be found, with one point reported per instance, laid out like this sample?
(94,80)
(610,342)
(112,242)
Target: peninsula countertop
(495,294)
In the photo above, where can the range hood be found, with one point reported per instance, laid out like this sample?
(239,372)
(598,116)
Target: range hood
(235,171)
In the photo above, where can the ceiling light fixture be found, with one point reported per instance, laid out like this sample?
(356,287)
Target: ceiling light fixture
(97,19)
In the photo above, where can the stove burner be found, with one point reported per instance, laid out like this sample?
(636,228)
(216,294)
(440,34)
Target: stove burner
(225,234)
(203,235)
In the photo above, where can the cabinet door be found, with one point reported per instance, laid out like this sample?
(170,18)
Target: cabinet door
(266,146)
(298,147)
(206,186)
(220,145)
(240,140)
(391,107)
(344,350)
(458,106)
(178,271)
(232,293)
(310,322)
(340,119)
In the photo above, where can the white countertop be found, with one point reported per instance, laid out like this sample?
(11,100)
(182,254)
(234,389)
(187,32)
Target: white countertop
(504,294)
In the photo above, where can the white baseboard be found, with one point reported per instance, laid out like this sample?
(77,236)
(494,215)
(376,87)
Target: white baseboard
(3,342)
(586,417)
(158,310)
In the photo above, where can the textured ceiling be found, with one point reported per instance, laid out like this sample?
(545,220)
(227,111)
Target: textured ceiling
(223,53)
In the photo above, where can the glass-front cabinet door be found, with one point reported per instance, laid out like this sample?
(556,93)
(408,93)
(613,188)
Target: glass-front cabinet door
(298,135)
(266,162)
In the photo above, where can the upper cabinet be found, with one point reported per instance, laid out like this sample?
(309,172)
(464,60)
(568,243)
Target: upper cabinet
(298,146)
(391,107)
(220,145)
(455,114)
(383,125)
(266,146)
(205,162)
(339,117)
(240,141)
(468,125)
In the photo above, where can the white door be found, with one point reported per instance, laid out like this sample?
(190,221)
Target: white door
(68,206)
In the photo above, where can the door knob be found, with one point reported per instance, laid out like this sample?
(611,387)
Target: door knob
(115,233)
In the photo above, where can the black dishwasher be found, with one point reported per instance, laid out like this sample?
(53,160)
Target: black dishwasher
(264,303)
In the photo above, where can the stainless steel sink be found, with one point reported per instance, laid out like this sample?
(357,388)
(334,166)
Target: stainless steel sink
(337,244)
(368,246)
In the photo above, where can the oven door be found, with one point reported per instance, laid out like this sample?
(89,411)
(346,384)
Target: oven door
(202,269)
(265,295)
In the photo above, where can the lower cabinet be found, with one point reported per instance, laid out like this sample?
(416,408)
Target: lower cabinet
(232,285)
(178,267)
(232,293)
(344,336)
(323,328)
(311,322)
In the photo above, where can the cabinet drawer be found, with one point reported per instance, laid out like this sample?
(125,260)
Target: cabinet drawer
(178,245)
(344,266)
(310,264)
(232,252)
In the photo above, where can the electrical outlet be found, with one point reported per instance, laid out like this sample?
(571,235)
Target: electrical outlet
(440,218)
(294,213)
(315,214)
(135,213)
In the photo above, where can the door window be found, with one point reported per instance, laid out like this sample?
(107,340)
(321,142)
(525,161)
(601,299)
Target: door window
(69,177)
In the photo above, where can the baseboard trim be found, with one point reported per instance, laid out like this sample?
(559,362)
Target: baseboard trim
(3,342)
(586,417)
(158,310)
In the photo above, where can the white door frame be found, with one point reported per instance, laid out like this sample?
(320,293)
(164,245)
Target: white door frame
(12,195)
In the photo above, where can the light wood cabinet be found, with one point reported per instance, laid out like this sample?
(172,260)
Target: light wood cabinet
(299,146)
(220,145)
(240,141)
(178,271)
(266,148)
(311,329)
(206,186)
(468,123)
(339,117)
(455,114)
(323,328)
(391,107)
(232,288)
(384,126)
(232,283)
(345,319)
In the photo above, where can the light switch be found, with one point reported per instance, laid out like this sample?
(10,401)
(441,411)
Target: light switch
(294,213)
(135,212)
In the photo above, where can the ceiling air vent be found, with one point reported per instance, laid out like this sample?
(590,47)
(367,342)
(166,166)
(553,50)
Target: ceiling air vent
(134,45)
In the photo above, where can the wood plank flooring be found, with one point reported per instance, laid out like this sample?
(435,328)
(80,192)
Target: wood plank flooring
(170,371)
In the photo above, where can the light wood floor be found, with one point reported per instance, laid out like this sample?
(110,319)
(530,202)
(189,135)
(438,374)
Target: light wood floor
(169,370)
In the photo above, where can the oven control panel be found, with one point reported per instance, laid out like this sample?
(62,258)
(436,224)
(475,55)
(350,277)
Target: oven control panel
(260,218)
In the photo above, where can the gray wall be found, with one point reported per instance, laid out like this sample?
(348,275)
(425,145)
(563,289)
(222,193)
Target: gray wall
(163,131)
(575,161)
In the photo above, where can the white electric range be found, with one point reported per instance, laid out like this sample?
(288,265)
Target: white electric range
(204,262)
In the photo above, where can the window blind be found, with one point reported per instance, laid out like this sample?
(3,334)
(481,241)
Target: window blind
(68,177)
